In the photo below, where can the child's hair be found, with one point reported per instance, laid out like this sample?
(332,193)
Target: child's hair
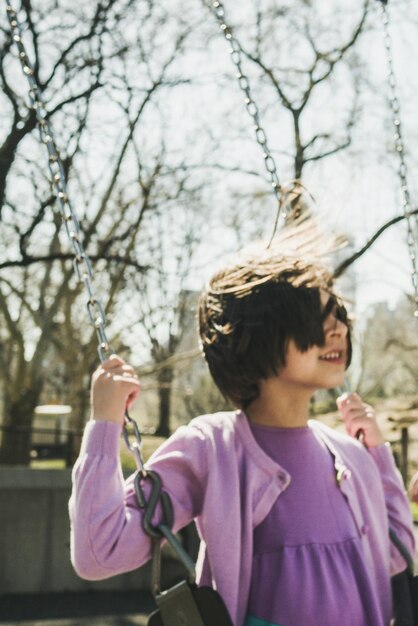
(250,311)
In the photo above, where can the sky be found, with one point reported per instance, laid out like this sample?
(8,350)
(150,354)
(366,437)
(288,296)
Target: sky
(354,192)
(357,191)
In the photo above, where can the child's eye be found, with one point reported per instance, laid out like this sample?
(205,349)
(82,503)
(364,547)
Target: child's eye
(332,312)
(337,313)
(341,313)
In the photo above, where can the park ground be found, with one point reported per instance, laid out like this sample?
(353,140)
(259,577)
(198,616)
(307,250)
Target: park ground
(128,608)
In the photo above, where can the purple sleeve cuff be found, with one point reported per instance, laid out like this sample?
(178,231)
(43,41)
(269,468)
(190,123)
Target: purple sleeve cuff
(101,438)
(383,457)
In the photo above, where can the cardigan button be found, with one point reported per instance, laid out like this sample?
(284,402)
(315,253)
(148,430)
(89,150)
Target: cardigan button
(343,473)
(364,529)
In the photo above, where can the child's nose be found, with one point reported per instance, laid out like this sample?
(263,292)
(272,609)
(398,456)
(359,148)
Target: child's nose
(339,328)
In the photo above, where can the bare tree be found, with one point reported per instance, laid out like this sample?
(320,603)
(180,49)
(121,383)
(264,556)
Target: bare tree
(298,59)
(164,307)
(41,304)
(307,76)
(108,72)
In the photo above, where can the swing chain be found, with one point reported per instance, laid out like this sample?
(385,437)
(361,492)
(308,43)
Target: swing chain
(218,10)
(81,262)
(407,208)
(134,446)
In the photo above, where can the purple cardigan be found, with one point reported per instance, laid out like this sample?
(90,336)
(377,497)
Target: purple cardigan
(216,473)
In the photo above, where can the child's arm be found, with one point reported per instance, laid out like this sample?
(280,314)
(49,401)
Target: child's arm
(360,418)
(106,524)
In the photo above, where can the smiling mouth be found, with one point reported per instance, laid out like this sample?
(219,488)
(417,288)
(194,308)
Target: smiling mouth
(333,357)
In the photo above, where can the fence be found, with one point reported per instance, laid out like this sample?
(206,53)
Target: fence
(49,443)
(35,538)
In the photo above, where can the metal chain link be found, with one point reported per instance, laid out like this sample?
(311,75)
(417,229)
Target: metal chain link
(82,265)
(218,10)
(407,207)
(81,262)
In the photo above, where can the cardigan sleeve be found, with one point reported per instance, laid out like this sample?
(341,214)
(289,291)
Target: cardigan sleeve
(106,523)
(397,504)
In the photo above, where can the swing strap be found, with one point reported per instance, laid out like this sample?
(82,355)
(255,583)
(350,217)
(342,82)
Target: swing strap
(185,604)
(402,549)
(162,530)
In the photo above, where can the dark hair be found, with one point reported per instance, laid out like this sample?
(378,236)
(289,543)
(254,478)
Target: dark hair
(251,310)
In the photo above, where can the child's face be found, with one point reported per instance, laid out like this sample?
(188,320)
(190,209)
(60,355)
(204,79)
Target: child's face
(319,367)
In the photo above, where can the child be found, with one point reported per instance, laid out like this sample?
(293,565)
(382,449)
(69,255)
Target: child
(293,517)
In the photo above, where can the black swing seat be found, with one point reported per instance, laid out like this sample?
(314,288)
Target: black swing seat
(404,588)
(187,604)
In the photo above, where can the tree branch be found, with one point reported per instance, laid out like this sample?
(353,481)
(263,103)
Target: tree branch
(60,256)
(341,268)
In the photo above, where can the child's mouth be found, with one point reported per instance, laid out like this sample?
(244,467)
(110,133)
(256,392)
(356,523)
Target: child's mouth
(336,356)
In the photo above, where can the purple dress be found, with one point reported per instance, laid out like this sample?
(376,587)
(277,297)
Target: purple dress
(308,565)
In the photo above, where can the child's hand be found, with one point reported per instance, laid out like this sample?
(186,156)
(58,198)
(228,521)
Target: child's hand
(413,488)
(360,417)
(114,387)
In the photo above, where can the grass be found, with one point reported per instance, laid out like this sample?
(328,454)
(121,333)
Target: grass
(48,464)
(149,445)
(414,509)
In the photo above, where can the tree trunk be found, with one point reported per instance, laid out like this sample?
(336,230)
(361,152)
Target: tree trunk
(165,379)
(17,429)
(8,151)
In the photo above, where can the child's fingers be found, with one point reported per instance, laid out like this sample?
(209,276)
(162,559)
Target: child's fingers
(114,366)
(351,405)
(357,424)
(349,413)
(112,362)
(368,427)
(124,382)
(359,416)
(364,411)
(349,400)
(130,386)
(113,391)
(125,371)
(132,397)
(125,379)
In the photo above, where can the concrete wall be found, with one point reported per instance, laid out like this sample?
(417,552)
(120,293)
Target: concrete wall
(35,538)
